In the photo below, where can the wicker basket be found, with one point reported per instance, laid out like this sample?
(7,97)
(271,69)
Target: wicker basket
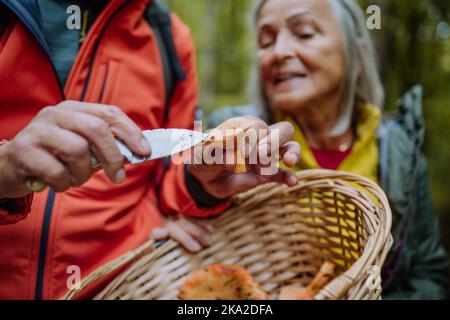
(282,235)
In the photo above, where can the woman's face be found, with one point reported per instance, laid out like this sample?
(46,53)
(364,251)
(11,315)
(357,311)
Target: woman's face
(300,53)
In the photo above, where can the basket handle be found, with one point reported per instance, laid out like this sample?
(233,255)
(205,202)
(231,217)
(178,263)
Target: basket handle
(115,264)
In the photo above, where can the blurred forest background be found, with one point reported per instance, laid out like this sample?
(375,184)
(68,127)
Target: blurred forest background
(413,46)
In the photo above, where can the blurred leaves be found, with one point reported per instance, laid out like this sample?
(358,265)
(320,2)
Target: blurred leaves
(224,40)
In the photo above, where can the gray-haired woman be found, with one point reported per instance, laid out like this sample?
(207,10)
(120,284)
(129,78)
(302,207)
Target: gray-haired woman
(317,69)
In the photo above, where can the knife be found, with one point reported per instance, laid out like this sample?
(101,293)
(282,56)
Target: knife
(164,143)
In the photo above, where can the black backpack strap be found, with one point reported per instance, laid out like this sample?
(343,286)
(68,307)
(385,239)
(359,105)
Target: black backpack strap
(159,19)
(4,19)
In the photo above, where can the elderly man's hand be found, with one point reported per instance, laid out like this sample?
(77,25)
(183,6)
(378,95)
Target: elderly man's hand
(56,147)
(192,234)
(264,147)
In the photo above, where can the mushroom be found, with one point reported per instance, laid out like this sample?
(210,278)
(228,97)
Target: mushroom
(230,135)
(322,278)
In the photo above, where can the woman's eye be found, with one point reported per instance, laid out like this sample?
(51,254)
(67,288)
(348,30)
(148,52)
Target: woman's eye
(266,43)
(305,33)
(306,36)
(266,40)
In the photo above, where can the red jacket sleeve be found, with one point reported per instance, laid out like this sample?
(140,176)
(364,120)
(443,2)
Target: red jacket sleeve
(174,194)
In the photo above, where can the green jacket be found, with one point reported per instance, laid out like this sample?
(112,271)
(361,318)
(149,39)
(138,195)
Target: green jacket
(417,266)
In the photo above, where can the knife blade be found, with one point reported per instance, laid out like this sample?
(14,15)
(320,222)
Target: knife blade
(164,143)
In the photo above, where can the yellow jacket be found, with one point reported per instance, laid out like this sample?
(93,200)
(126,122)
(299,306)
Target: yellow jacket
(364,156)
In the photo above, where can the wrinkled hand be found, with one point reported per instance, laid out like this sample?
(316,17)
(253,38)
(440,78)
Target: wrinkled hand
(57,145)
(272,142)
(192,234)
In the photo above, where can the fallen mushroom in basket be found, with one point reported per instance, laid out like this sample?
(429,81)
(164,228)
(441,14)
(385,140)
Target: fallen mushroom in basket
(232,282)
(322,278)
(221,282)
(230,136)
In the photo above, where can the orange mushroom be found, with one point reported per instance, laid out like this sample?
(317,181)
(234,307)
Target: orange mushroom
(322,278)
(230,136)
(221,282)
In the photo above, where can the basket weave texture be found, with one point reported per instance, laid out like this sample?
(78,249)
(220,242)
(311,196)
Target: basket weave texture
(281,235)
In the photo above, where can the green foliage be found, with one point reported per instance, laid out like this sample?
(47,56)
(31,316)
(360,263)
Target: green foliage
(224,41)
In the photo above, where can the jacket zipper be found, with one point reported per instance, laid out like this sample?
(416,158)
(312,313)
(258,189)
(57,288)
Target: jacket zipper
(51,196)
(43,244)
(95,49)
(104,83)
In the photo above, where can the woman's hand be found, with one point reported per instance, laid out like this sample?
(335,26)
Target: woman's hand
(262,151)
(55,147)
(192,234)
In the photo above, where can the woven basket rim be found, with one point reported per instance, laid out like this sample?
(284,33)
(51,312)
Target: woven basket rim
(382,242)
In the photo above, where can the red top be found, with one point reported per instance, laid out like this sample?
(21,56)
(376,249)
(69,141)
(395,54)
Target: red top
(330,159)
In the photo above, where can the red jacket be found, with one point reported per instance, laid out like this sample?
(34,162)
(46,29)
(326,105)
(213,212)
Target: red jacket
(91,225)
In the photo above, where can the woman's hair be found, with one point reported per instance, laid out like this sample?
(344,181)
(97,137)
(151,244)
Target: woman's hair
(362,82)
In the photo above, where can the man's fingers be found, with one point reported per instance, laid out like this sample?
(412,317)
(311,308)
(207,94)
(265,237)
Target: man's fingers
(97,132)
(40,164)
(121,125)
(197,231)
(127,131)
(72,149)
(160,234)
(205,224)
(183,237)
(190,234)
